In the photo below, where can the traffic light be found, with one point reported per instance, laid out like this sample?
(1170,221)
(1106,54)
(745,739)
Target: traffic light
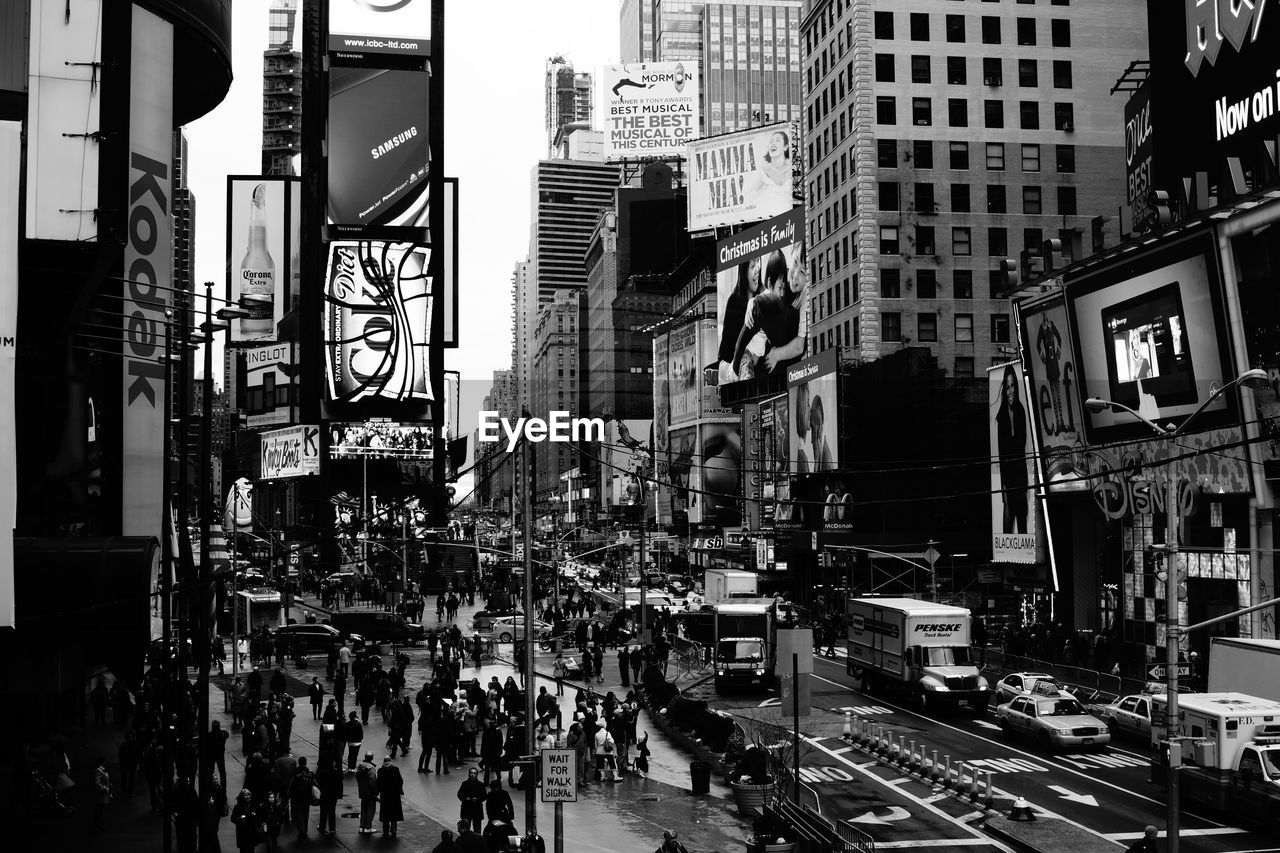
(1009,279)
(1052,253)
(1097,225)
(1161,208)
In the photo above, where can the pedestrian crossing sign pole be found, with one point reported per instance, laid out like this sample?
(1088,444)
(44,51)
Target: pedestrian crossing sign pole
(559,786)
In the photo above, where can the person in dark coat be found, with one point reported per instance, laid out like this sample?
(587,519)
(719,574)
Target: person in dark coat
(497,835)
(353,734)
(367,788)
(300,797)
(246,821)
(472,795)
(491,750)
(447,843)
(390,789)
(443,732)
(329,780)
(315,691)
(597,662)
(364,697)
(497,803)
(637,663)
(211,812)
(624,665)
(426,734)
(129,757)
(277,684)
(470,841)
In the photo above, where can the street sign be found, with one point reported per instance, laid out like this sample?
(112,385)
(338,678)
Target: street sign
(559,776)
(931,555)
(1158,671)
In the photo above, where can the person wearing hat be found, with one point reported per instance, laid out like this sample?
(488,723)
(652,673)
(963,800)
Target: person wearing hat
(390,789)
(367,788)
(1147,843)
(670,843)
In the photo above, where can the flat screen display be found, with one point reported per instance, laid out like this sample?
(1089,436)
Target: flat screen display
(1149,362)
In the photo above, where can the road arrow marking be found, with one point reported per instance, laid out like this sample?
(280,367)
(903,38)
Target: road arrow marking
(1067,794)
(769,703)
(896,813)
(987,725)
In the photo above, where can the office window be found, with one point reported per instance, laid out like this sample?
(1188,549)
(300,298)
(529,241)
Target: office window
(964,367)
(884,68)
(923,151)
(927,284)
(888,195)
(1027,73)
(1066,201)
(992,71)
(1066,159)
(1032,239)
(884,25)
(959,155)
(999,328)
(998,242)
(996,202)
(920,72)
(925,243)
(1062,74)
(1031,201)
(995,156)
(955,29)
(961,241)
(890,326)
(957,112)
(886,109)
(886,153)
(1026,32)
(921,111)
(962,281)
(993,113)
(1031,157)
(1060,32)
(990,29)
(926,327)
(960,198)
(957,71)
(888,239)
(964,328)
(1064,117)
(891,284)
(1029,115)
(919,26)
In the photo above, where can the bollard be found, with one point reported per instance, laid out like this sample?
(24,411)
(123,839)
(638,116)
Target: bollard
(973,786)
(933,766)
(946,773)
(988,799)
(902,750)
(847,736)
(960,778)
(911,755)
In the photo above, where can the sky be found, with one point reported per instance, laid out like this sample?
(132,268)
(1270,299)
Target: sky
(494,133)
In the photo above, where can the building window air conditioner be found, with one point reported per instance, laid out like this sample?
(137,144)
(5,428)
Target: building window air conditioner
(992,80)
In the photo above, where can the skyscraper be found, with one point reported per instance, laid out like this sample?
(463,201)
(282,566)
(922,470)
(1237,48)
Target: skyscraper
(281,91)
(524,313)
(635,29)
(942,140)
(570,99)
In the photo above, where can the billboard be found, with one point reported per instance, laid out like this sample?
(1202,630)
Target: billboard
(290,452)
(762,299)
(1013,516)
(1139,146)
(650,109)
(63,104)
(377,321)
(148,266)
(10,184)
(1149,333)
(661,421)
(684,373)
(383,27)
(262,253)
(711,409)
(628,459)
(1054,381)
(754,472)
(271,383)
(813,405)
(741,177)
(718,490)
(378,155)
(376,439)
(685,473)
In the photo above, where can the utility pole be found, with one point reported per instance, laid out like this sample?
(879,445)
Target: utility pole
(530,792)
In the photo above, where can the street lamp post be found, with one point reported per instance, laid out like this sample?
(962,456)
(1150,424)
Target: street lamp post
(1172,631)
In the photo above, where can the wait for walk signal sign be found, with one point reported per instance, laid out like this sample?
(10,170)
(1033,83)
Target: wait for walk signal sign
(559,776)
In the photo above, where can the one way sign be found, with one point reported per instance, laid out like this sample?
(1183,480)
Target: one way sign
(1158,671)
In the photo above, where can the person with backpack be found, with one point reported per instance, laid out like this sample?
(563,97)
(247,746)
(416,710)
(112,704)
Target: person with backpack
(300,794)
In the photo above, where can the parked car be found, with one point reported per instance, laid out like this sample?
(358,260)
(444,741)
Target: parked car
(314,636)
(1017,683)
(1052,718)
(508,628)
(378,626)
(1130,715)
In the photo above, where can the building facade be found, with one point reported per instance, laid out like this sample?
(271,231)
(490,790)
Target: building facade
(570,98)
(281,91)
(940,141)
(635,30)
(554,369)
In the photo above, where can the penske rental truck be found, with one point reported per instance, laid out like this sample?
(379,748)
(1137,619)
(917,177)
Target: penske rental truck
(1238,662)
(1227,746)
(746,643)
(918,647)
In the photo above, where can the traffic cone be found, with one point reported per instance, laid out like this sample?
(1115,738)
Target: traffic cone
(1021,811)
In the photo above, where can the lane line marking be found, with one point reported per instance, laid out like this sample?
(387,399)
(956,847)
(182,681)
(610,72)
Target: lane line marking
(842,750)
(1051,761)
(1216,830)
(933,842)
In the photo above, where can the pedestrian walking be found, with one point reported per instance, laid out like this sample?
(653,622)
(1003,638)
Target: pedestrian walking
(245,818)
(329,781)
(344,659)
(597,663)
(642,756)
(497,803)
(561,671)
(367,789)
(637,663)
(213,745)
(390,789)
(624,665)
(443,733)
(101,794)
(471,794)
(316,692)
(300,796)
(491,750)
(353,734)
(577,741)
(212,810)
(426,734)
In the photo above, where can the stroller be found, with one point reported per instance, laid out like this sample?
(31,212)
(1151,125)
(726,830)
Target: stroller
(49,800)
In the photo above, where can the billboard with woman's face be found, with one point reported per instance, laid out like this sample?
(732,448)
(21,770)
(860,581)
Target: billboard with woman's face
(1013,517)
(814,414)
(741,177)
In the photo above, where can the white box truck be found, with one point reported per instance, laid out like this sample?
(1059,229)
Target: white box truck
(1237,663)
(723,584)
(918,647)
(1228,748)
(746,643)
